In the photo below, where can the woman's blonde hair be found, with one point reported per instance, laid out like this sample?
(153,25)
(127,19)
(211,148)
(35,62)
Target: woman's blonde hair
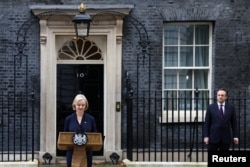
(78,98)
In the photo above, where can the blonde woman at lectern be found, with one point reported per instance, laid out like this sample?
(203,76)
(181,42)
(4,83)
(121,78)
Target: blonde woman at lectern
(79,121)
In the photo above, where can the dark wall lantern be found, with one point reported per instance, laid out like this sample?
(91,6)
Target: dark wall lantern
(82,22)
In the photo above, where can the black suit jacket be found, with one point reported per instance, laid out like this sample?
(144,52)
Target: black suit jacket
(217,129)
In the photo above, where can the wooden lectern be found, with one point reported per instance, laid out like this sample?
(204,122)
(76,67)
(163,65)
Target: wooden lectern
(79,159)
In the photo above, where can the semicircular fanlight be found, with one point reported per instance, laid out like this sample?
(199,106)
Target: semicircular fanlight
(80,49)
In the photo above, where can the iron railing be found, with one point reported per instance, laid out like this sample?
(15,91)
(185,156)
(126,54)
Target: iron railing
(16,127)
(171,129)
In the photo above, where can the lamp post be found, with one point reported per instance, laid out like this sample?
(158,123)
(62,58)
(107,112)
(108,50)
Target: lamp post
(82,22)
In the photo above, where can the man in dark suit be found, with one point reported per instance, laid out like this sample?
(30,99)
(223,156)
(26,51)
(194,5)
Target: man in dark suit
(220,121)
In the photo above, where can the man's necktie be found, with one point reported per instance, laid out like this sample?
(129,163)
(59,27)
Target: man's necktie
(221,111)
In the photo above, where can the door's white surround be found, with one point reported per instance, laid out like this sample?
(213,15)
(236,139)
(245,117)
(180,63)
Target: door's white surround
(106,32)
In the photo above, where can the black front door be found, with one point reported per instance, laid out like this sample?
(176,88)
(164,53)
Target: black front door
(79,78)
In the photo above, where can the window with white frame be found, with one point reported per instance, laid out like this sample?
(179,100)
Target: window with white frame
(186,65)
